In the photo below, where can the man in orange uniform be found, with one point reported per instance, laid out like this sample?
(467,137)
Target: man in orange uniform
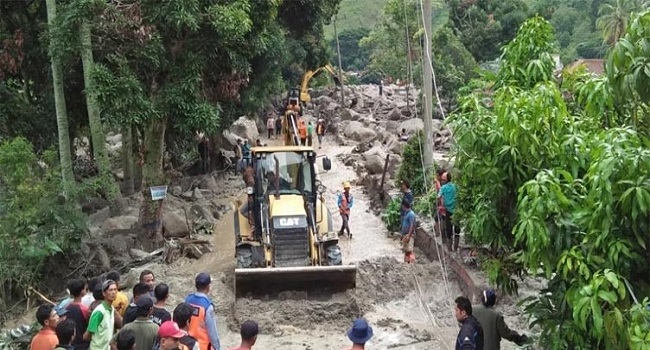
(203,324)
(302,130)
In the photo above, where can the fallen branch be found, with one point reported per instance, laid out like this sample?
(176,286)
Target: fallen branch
(40,295)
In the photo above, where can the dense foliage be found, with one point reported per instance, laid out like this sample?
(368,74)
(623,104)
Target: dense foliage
(35,221)
(452,62)
(555,180)
(154,71)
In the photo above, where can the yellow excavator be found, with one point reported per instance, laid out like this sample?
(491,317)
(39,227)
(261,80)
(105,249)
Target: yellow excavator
(304,85)
(285,238)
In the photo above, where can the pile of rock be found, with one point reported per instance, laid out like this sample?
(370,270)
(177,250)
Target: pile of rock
(374,122)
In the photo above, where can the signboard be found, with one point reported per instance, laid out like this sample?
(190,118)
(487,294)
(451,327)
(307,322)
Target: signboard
(158,192)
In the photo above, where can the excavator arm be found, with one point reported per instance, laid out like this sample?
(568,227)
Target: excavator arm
(304,85)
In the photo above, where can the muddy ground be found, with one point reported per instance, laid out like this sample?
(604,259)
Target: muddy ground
(386,293)
(409,306)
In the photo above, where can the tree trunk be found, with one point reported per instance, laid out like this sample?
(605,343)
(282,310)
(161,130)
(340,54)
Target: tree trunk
(59,102)
(127,157)
(96,130)
(152,175)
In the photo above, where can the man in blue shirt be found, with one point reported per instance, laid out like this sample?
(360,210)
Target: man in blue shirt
(447,198)
(407,230)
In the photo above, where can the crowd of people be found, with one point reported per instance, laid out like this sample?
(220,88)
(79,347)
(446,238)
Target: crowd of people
(98,316)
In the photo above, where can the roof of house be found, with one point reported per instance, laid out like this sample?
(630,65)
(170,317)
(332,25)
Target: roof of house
(593,65)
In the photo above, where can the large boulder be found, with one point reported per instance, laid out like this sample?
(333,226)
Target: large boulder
(375,159)
(412,126)
(246,129)
(174,225)
(356,131)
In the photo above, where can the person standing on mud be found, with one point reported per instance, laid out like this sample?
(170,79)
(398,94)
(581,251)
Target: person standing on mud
(203,324)
(270,125)
(310,133)
(359,334)
(302,130)
(320,131)
(447,198)
(407,230)
(440,213)
(104,319)
(470,336)
(249,330)
(494,327)
(46,338)
(278,127)
(408,194)
(345,202)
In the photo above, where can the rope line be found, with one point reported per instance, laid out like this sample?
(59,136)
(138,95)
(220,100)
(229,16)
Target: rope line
(424,306)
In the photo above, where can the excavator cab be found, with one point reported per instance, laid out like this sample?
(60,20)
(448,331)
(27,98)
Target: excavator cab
(289,241)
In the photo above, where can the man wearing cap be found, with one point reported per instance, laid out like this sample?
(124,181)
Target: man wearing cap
(249,331)
(104,319)
(203,325)
(143,327)
(46,338)
(170,335)
(359,334)
(345,202)
(494,327)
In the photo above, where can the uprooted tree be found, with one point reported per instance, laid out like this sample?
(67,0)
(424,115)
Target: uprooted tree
(555,179)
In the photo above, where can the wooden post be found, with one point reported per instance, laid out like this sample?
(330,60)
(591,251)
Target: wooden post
(383,178)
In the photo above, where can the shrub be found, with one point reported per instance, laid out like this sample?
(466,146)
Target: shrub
(36,221)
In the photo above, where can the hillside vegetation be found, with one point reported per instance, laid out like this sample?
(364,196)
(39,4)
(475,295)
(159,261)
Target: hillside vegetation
(356,14)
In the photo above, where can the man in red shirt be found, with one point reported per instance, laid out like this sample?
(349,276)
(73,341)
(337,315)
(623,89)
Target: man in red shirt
(46,338)
(249,331)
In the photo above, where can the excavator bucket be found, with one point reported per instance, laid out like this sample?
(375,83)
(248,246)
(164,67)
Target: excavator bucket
(311,279)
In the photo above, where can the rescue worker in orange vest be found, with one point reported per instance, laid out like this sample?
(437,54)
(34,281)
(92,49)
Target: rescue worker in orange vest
(302,130)
(203,324)
(345,203)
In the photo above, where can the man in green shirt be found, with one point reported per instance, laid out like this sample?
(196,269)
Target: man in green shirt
(143,327)
(104,319)
(494,327)
(310,133)
(447,199)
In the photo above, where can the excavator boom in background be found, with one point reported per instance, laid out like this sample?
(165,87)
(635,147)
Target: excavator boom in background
(304,85)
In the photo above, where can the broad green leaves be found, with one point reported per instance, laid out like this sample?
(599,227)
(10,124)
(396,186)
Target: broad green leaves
(557,196)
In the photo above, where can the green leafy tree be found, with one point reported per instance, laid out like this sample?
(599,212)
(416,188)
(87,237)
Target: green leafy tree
(35,222)
(484,26)
(61,112)
(553,194)
(353,56)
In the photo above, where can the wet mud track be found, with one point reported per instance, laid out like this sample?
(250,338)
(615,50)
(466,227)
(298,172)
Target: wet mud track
(408,306)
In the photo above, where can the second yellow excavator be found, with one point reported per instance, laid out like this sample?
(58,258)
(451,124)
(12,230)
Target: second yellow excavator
(304,85)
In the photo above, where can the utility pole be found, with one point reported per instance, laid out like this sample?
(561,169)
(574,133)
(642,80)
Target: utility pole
(338,50)
(428,87)
(408,63)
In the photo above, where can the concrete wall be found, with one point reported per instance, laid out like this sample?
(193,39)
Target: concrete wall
(430,246)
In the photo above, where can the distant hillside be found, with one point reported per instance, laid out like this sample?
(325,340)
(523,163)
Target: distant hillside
(357,14)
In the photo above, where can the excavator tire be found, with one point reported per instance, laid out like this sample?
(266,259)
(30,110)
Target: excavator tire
(244,257)
(334,256)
